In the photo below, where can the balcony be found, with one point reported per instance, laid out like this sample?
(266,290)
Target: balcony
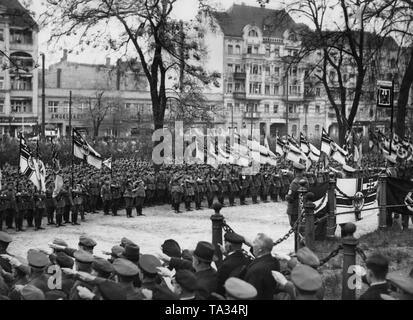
(293,116)
(240,75)
(239,95)
(253,115)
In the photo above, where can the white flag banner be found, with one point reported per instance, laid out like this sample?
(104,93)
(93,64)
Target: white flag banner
(82,150)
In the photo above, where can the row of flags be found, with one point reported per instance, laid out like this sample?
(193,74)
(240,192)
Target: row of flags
(393,147)
(31,166)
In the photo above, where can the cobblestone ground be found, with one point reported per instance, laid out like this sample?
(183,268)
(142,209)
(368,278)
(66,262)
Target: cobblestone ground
(161,223)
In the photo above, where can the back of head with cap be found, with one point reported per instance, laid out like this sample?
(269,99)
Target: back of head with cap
(378,265)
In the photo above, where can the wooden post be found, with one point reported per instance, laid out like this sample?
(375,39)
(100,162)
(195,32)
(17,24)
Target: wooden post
(300,228)
(309,207)
(382,202)
(349,261)
(217,223)
(331,219)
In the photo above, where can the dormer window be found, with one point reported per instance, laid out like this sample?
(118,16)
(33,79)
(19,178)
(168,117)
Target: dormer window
(253,34)
(292,37)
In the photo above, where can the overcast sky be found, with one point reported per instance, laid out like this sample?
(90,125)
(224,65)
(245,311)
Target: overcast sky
(184,9)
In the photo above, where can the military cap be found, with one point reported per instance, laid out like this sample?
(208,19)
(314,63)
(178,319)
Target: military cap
(149,263)
(102,265)
(60,242)
(64,261)
(233,238)
(111,290)
(5,237)
(306,278)
(37,259)
(87,242)
(401,281)
(186,279)
(171,248)
(125,268)
(124,241)
(30,292)
(307,257)
(117,251)
(83,256)
(240,289)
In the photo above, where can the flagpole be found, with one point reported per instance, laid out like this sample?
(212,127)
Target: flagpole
(73,151)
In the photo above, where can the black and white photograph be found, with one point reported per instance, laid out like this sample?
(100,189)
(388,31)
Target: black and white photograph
(211,152)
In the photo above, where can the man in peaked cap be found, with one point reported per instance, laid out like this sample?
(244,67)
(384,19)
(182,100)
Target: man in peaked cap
(30,292)
(110,290)
(38,261)
(131,253)
(126,272)
(307,257)
(235,261)
(307,282)
(102,268)
(377,269)
(237,289)
(402,285)
(124,241)
(115,253)
(5,240)
(293,195)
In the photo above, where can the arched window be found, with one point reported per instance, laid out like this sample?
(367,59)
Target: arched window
(253,33)
(22,60)
(237,49)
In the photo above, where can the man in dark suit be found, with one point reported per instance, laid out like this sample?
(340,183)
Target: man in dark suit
(236,259)
(206,276)
(258,273)
(377,269)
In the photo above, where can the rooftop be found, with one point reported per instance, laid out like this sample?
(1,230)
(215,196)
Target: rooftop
(234,20)
(17,14)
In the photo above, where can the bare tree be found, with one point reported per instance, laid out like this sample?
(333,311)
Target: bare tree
(148,30)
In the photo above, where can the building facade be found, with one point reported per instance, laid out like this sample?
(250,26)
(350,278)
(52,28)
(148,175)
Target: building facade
(18,75)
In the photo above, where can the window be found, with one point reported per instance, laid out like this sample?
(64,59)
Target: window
(230,49)
(1,105)
(294,130)
(20,83)
(253,34)
(237,49)
(21,36)
(237,109)
(1,34)
(293,72)
(267,51)
(318,92)
(1,82)
(276,71)
(256,49)
(295,90)
(306,108)
(230,68)
(276,90)
(317,109)
(275,109)
(229,88)
(229,106)
(255,88)
(21,106)
(255,69)
(252,107)
(267,71)
(317,129)
(238,68)
(292,37)
(305,129)
(249,50)
(267,108)
(267,90)
(52,106)
(277,52)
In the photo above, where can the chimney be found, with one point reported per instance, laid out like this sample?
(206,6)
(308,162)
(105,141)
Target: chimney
(59,78)
(64,58)
(107,61)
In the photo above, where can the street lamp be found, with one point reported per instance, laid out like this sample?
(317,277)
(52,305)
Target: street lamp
(43,134)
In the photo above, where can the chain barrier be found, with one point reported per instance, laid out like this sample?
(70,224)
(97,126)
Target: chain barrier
(333,254)
(289,233)
(316,222)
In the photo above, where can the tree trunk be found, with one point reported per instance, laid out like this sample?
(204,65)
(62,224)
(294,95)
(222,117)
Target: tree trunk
(342,130)
(96,130)
(404,98)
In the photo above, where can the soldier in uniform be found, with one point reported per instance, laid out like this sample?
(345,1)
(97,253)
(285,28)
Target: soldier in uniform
(150,189)
(30,206)
(77,204)
(116,196)
(243,189)
(210,191)
(161,187)
(225,189)
(129,199)
(199,193)
(265,186)
(140,193)
(50,205)
(233,190)
(10,205)
(94,191)
(189,193)
(176,192)
(40,209)
(293,196)
(106,195)
(21,201)
(60,203)
(254,187)
(67,195)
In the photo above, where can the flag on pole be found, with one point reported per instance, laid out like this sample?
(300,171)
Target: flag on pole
(55,157)
(108,163)
(329,147)
(31,167)
(309,149)
(82,150)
